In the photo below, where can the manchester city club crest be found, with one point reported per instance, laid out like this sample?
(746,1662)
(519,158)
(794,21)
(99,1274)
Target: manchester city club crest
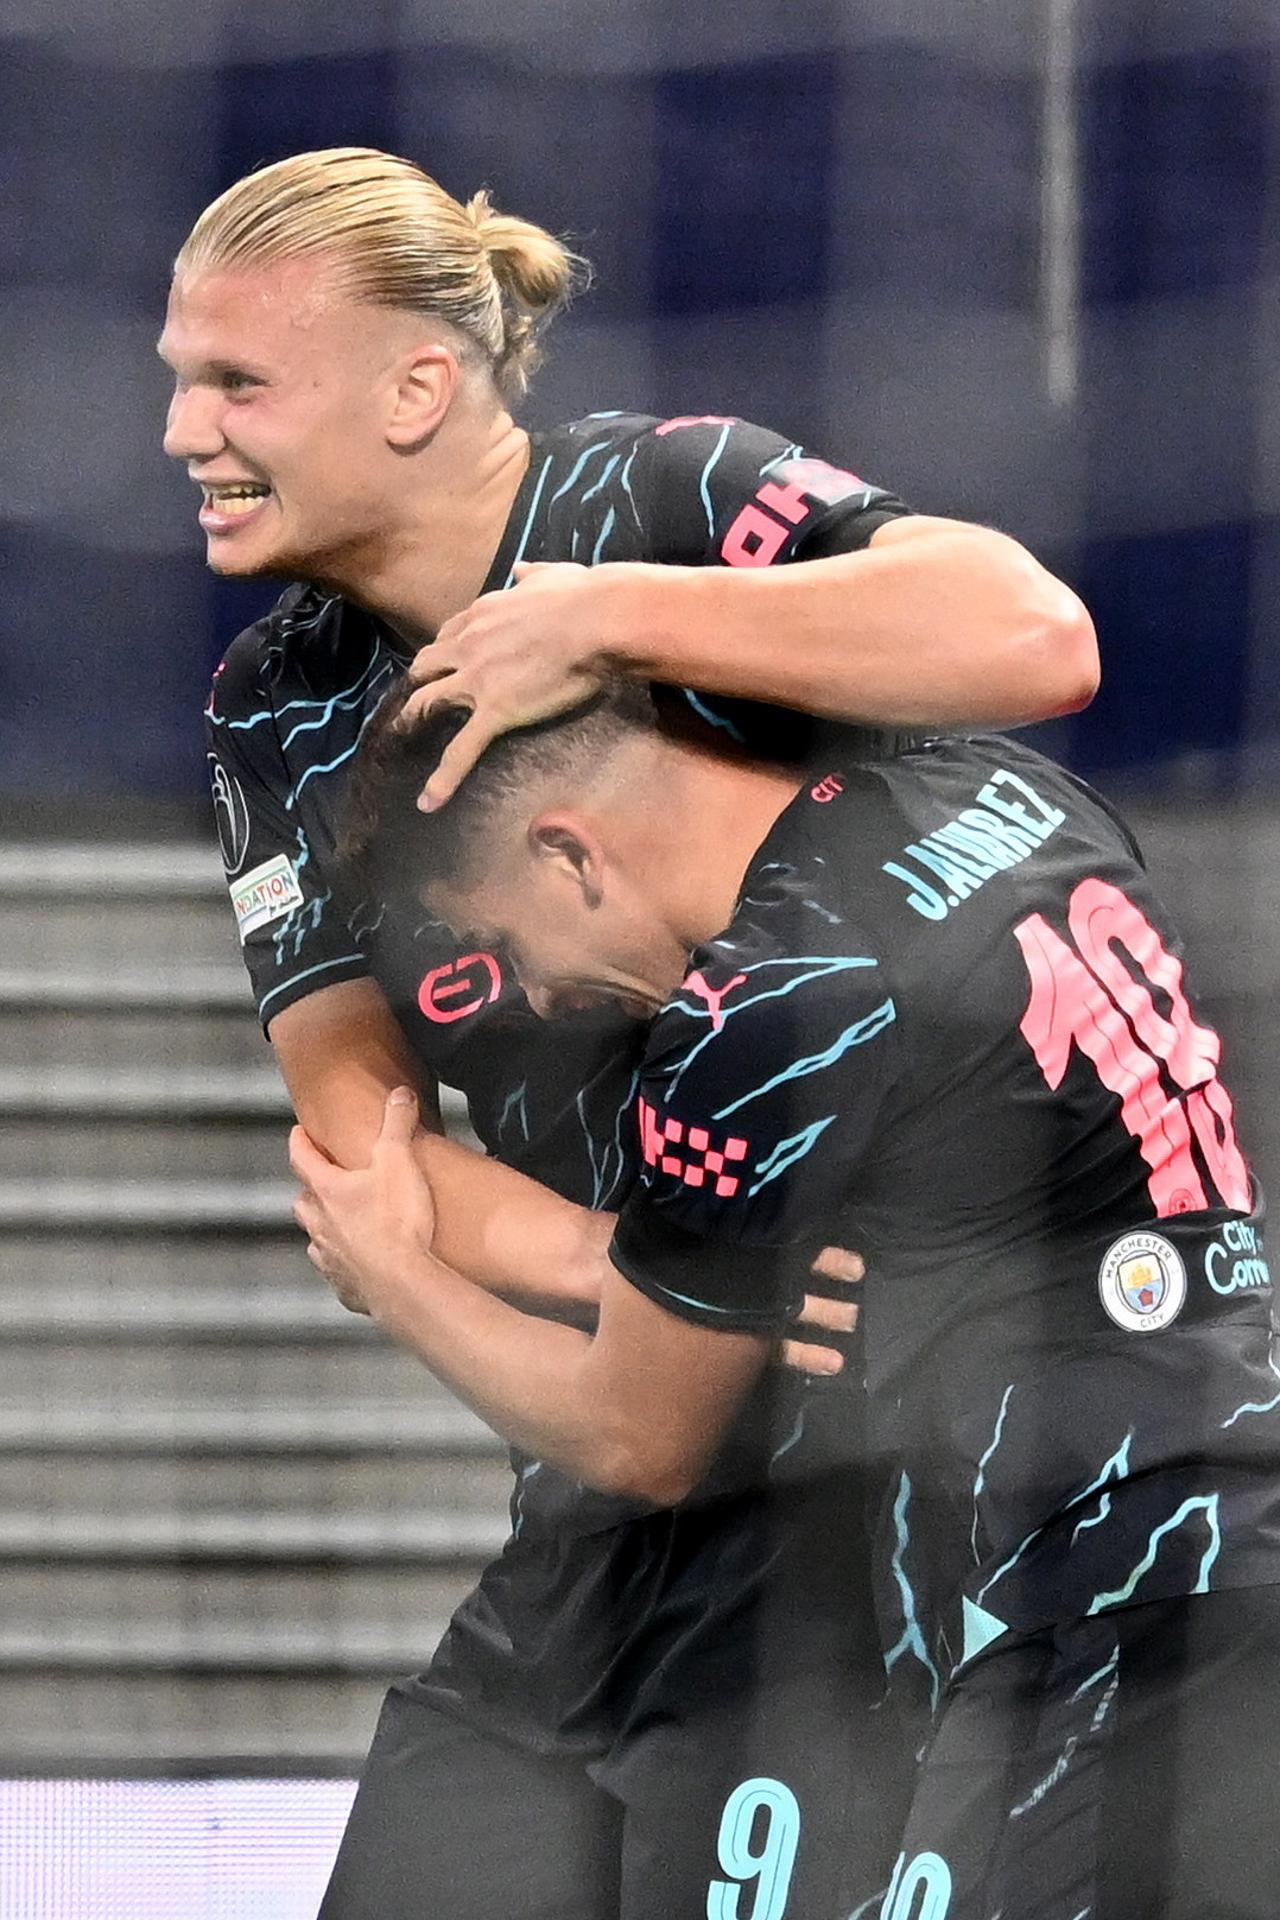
(1142,1282)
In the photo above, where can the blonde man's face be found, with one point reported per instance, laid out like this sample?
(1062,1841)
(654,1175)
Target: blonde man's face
(282,390)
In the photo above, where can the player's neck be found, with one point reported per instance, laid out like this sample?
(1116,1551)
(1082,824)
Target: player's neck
(716,813)
(435,561)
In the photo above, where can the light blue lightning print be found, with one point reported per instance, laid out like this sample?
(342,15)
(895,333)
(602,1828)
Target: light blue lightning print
(1207,1504)
(787,1152)
(980,1479)
(528,1471)
(609,466)
(602,1185)
(515,1103)
(712,718)
(792,1439)
(605,531)
(815,906)
(1255,1406)
(1116,1468)
(855,1036)
(329,765)
(820,967)
(624,481)
(533,508)
(703,488)
(340,703)
(361,929)
(293,921)
(1008,1565)
(1103,1673)
(912,1640)
(576,469)
(793,452)
(293,622)
(1060,1766)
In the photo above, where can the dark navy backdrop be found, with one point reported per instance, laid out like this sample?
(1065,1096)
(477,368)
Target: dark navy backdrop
(834,224)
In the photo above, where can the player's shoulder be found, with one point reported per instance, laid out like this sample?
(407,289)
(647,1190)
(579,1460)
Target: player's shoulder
(305,645)
(669,440)
(924,836)
(796,958)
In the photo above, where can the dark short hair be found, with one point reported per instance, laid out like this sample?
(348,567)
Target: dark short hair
(393,854)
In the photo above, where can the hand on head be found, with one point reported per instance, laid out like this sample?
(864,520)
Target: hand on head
(512,658)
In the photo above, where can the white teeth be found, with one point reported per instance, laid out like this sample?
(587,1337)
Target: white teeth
(235,500)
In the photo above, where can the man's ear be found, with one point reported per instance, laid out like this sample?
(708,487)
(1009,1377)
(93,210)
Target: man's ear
(572,851)
(427,381)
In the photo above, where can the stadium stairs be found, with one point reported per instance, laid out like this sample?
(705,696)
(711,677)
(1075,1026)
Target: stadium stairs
(229,1510)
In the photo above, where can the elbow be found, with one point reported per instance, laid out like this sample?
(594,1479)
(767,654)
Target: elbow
(1059,671)
(637,1469)
(1073,668)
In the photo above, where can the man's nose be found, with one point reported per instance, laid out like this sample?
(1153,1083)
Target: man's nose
(192,430)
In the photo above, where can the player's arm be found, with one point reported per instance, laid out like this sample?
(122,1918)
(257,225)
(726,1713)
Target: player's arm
(341,1051)
(934,623)
(638,1407)
(775,578)
(337,1041)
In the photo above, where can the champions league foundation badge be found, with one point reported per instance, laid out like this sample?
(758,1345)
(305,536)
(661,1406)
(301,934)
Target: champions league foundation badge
(1142,1282)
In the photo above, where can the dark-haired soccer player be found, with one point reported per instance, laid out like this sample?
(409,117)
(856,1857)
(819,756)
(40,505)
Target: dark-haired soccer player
(939,996)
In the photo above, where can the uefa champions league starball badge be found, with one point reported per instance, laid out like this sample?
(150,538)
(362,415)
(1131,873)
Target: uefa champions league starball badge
(1142,1282)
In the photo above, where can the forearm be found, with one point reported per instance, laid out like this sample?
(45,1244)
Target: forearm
(521,1375)
(934,624)
(341,1052)
(630,1429)
(510,1234)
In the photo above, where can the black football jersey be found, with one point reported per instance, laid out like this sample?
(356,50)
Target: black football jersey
(285,716)
(294,692)
(950,1027)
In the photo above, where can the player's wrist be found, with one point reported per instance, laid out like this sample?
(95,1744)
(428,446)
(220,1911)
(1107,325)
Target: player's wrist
(640,617)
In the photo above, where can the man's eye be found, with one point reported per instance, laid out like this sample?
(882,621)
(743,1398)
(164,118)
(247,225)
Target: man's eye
(233,382)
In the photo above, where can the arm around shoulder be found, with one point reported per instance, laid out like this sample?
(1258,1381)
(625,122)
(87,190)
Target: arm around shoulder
(934,623)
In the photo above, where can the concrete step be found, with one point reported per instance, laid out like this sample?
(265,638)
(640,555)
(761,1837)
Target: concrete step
(247,1618)
(117,1040)
(237,1381)
(214,988)
(175,1094)
(127,1204)
(213,1536)
(265,1425)
(143,870)
(162,1263)
(374,1485)
(225,1313)
(236,1152)
(113,933)
(65,1722)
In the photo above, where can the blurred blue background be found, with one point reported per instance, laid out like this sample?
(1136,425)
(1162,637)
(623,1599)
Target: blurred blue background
(1014,258)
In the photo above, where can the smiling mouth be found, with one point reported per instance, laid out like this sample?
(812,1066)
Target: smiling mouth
(235,500)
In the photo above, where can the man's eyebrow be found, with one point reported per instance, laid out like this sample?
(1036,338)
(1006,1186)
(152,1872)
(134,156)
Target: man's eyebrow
(216,367)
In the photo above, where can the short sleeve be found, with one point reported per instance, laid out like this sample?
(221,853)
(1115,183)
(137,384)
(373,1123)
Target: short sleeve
(759,1097)
(294,937)
(733,494)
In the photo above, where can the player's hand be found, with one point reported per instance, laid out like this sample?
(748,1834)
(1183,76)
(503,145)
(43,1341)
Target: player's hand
(513,657)
(368,1227)
(821,1314)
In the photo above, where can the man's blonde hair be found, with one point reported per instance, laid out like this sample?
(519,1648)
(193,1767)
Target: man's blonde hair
(397,239)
